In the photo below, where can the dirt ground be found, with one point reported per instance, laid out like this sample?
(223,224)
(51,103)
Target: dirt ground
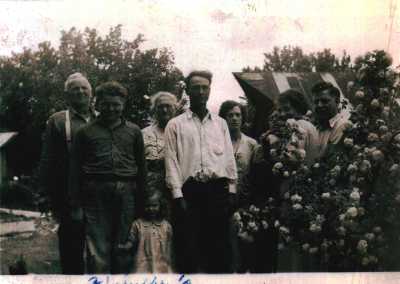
(38,249)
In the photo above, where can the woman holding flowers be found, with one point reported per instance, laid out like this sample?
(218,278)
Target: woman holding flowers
(244,148)
(289,144)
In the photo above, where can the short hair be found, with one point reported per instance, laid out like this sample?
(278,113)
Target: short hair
(322,86)
(154,193)
(111,88)
(296,99)
(157,96)
(226,106)
(73,77)
(200,73)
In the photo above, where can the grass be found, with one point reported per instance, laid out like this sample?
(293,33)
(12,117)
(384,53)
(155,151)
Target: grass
(39,250)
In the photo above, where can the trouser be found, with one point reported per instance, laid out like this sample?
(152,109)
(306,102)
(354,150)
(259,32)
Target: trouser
(203,231)
(109,213)
(71,240)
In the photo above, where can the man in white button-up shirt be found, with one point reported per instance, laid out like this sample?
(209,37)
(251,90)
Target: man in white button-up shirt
(330,121)
(201,173)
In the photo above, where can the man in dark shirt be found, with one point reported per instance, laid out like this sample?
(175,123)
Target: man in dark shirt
(60,131)
(108,173)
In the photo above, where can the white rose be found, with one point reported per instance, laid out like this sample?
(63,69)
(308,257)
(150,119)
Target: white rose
(375,103)
(352,168)
(277,224)
(237,217)
(365,166)
(313,250)
(325,195)
(264,224)
(373,137)
(348,142)
(286,174)
(394,168)
(286,195)
(272,139)
(273,152)
(316,166)
(383,129)
(320,218)
(362,246)
(352,212)
(284,230)
(355,196)
(377,229)
(296,198)
(342,217)
(315,228)
(359,94)
(297,206)
(342,231)
(377,156)
(341,243)
(370,236)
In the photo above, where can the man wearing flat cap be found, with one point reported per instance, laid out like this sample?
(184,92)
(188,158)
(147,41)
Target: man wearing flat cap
(60,132)
(201,174)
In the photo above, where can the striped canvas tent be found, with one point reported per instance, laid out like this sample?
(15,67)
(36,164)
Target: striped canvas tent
(263,88)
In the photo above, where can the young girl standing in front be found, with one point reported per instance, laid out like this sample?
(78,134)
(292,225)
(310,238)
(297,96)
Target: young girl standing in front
(150,238)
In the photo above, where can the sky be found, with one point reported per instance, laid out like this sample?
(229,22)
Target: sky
(222,36)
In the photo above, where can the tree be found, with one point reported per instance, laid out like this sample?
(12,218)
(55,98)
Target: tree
(293,59)
(32,82)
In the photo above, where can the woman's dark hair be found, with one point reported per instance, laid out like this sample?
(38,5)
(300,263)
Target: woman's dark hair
(296,99)
(226,106)
(111,88)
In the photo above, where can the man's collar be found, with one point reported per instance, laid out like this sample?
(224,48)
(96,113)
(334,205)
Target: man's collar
(123,122)
(331,122)
(190,114)
(334,120)
(92,114)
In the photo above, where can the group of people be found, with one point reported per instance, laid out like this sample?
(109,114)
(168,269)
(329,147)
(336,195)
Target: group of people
(161,199)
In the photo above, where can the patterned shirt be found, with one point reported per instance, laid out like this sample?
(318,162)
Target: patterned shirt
(154,142)
(154,246)
(198,149)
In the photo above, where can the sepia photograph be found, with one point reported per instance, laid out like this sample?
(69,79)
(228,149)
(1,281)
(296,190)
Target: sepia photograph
(233,141)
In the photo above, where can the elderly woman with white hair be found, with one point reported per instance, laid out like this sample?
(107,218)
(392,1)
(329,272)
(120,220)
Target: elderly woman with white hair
(164,106)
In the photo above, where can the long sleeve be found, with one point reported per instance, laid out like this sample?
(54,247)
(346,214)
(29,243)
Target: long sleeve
(75,170)
(172,168)
(47,161)
(230,163)
(141,161)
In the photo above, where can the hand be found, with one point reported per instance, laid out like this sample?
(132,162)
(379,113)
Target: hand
(181,205)
(126,246)
(77,214)
(43,204)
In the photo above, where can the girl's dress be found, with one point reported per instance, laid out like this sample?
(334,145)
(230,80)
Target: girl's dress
(154,246)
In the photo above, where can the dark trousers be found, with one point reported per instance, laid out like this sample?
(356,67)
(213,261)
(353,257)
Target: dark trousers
(203,231)
(71,240)
(109,212)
